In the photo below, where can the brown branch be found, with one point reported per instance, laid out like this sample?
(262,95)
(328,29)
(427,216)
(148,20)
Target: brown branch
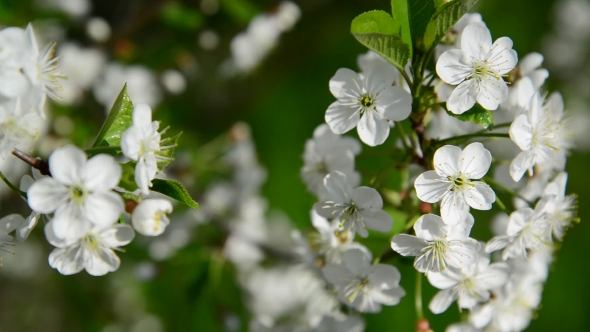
(39,164)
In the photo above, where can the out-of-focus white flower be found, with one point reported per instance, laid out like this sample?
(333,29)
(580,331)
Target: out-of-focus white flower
(74,8)
(143,143)
(208,40)
(477,68)
(542,134)
(92,251)
(173,81)
(355,209)
(526,231)
(560,209)
(18,128)
(287,15)
(367,101)
(150,216)
(79,191)
(142,85)
(332,241)
(98,29)
(452,181)
(340,323)
(13,44)
(363,286)
(327,152)
(469,285)
(81,66)
(438,246)
(9,224)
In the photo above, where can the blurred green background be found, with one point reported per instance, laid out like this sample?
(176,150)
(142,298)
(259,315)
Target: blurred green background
(283,101)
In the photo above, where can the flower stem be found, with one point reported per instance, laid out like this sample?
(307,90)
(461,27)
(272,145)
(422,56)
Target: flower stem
(100,149)
(39,164)
(402,135)
(13,187)
(507,190)
(418,297)
(465,137)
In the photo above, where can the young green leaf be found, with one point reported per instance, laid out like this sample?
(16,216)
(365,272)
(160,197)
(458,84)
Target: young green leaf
(168,153)
(477,115)
(376,30)
(401,19)
(119,119)
(174,189)
(420,14)
(445,18)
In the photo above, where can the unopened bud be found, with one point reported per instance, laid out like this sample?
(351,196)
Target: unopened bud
(425,208)
(423,326)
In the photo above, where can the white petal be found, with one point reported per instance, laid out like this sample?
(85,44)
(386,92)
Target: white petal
(481,197)
(144,176)
(476,41)
(502,57)
(142,115)
(101,262)
(460,230)
(12,83)
(396,103)
(463,97)
(67,260)
(463,254)
(367,198)
(342,118)
(11,222)
(521,132)
(492,92)
(475,161)
(519,165)
(379,75)
(388,296)
(373,129)
(103,208)
(68,223)
(66,165)
(447,160)
(116,236)
(377,220)
(384,276)
(430,187)
(131,143)
(46,194)
(344,84)
(356,261)
(101,173)
(441,301)
(538,77)
(408,245)
(519,219)
(494,276)
(337,275)
(430,227)
(150,216)
(498,242)
(453,208)
(442,280)
(338,187)
(53,239)
(530,62)
(451,68)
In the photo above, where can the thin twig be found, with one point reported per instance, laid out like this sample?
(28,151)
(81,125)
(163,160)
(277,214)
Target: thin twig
(39,164)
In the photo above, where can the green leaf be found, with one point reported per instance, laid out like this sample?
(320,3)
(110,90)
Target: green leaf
(130,197)
(174,189)
(119,119)
(128,177)
(477,115)
(444,19)
(169,152)
(376,30)
(421,12)
(401,19)
(240,10)
(121,219)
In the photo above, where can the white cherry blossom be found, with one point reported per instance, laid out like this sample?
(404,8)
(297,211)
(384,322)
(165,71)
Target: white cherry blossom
(453,181)
(327,152)
(79,191)
(367,101)
(542,134)
(19,128)
(438,246)
(92,251)
(525,231)
(477,68)
(560,210)
(355,209)
(143,143)
(150,216)
(452,40)
(469,285)
(13,43)
(363,286)
(332,241)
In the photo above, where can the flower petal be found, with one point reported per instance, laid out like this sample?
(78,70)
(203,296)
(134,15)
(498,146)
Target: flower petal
(441,301)
(408,245)
(453,208)
(451,68)
(46,194)
(342,118)
(395,102)
(377,220)
(101,262)
(67,260)
(68,223)
(492,92)
(101,173)
(103,208)
(117,236)
(463,254)
(373,129)
(357,261)
(430,227)
(430,187)
(502,57)
(475,161)
(66,165)
(519,165)
(442,280)
(476,41)
(463,97)
(142,115)
(384,276)
(367,198)
(338,187)
(337,275)
(447,160)
(345,84)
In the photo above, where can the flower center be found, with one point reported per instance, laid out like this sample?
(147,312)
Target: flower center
(367,102)
(435,252)
(78,193)
(342,236)
(90,242)
(354,289)
(482,69)
(460,182)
